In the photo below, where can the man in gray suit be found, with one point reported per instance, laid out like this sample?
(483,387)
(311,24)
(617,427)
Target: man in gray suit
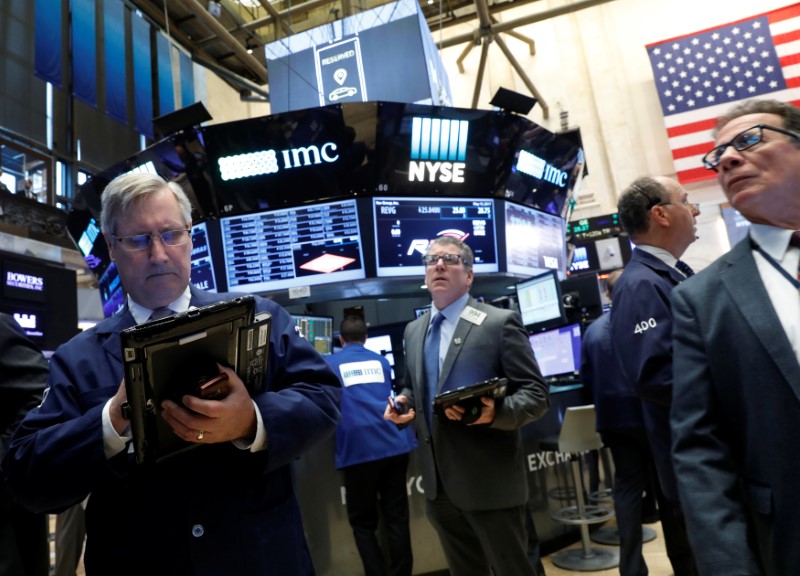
(473,473)
(736,404)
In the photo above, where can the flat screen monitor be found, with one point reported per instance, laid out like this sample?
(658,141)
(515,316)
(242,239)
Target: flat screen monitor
(112,295)
(302,246)
(433,150)
(547,169)
(421,311)
(202,270)
(540,302)
(558,353)
(405,226)
(535,241)
(382,344)
(84,229)
(318,330)
(281,160)
(736,225)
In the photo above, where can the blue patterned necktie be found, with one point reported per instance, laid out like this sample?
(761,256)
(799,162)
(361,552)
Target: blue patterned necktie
(431,350)
(159,313)
(684,268)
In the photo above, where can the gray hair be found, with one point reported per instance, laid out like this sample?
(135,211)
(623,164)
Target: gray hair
(635,202)
(467,257)
(124,192)
(790,114)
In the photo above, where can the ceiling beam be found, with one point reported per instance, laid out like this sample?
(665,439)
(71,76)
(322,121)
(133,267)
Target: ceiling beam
(524,21)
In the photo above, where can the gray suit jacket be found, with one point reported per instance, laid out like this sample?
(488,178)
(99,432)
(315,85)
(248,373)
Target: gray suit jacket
(481,467)
(735,416)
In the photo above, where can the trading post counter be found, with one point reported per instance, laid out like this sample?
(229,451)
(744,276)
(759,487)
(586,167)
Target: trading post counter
(322,498)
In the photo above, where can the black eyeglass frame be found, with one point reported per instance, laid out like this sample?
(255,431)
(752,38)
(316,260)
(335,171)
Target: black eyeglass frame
(129,248)
(710,164)
(433,259)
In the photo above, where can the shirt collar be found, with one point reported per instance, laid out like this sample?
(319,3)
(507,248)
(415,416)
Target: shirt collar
(773,240)
(142,314)
(659,253)
(453,310)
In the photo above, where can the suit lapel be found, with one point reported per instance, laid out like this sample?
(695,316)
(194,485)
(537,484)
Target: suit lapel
(658,265)
(743,282)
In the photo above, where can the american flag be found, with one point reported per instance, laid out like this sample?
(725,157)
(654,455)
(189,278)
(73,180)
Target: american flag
(702,75)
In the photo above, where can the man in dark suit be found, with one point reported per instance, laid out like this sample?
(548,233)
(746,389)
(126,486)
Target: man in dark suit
(655,212)
(621,426)
(737,359)
(473,473)
(227,507)
(23,376)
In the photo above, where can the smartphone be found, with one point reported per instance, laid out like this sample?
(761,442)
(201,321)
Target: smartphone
(214,388)
(399,406)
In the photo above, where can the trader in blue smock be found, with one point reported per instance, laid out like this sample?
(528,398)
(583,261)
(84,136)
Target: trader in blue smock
(228,507)
(372,452)
(657,215)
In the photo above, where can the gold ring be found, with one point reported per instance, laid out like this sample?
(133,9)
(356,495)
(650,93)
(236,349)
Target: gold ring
(200,435)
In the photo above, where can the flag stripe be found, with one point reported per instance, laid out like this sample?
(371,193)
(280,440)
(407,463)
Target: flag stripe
(702,75)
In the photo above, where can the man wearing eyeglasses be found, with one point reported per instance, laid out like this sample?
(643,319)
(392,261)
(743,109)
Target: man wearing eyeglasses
(737,358)
(660,221)
(473,462)
(228,507)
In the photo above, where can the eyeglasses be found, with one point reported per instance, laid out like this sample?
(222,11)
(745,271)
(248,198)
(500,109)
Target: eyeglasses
(742,141)
(690,205)
(139,242)
(448,259)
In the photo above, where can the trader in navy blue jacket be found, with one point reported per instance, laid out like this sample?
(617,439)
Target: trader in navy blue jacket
(372,452)
(621,426)
(655,212)
(228,507)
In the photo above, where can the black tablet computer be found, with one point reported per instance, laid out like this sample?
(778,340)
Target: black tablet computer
(173,356)
(469,397)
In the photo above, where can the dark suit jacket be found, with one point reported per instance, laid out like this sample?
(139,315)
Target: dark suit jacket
(23,377)
(213,510)
(641,327)
(616,404)
(481,467)
(735,418)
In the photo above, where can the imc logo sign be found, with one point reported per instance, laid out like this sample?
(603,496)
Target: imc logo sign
(270,161)
(438,150)
(532,165)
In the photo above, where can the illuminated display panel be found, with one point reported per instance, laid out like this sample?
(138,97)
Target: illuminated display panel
(291,247)
(318,330)
(546,168)
(535,241)
(112,296)
(202,271)
(540,304)
(558,351)
(433,150)
(405,226)
(279,160)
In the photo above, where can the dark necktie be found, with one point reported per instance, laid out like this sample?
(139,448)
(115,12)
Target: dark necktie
(684,267)
(432,363)
(795,242)
(159,313)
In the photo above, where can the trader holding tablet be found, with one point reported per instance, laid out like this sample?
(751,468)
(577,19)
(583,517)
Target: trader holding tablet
(473,474)
(228,507)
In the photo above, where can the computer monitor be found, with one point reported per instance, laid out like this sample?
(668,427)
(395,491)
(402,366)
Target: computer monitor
(421,311)
(558,353)
(539,300)
(318,330)
(382,344)
(405,226)
(301,246)
(534,241)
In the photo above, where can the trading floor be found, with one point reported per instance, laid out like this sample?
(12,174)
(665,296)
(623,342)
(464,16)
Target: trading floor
(654,553)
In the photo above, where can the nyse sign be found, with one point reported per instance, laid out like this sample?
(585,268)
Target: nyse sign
(438,150)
